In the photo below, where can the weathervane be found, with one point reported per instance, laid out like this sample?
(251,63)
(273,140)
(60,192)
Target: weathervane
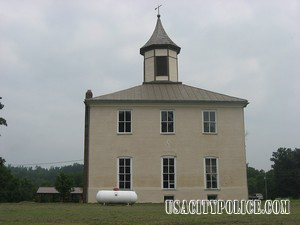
(157,8)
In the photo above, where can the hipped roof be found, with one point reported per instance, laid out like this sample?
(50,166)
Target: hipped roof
(167,92)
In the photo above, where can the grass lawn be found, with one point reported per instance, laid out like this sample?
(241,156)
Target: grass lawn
(69,213)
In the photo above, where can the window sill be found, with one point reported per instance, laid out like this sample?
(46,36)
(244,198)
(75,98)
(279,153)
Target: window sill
(212,189)
(209,133)
(125,133)
(166,133)
(168,189)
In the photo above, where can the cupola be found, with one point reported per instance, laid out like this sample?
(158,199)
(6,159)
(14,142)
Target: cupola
(160,56)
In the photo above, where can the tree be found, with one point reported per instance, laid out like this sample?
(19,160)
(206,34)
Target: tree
(2,161)
(271,185)
(13,189)
(64,184)
(286,172)
(2,120)
(5,181)
(255,181)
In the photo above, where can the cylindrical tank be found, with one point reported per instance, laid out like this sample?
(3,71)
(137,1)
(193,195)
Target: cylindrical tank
(128,197)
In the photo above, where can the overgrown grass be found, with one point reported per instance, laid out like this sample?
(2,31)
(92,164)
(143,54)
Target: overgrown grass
(68,213)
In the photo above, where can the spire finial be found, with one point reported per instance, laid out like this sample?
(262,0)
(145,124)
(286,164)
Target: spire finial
(157,8)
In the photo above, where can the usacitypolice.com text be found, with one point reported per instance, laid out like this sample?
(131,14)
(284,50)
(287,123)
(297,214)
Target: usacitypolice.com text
(229,206)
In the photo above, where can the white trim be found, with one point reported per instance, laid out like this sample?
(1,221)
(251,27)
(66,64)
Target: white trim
(162,78)
(160,121)
(216,121)
(131,180)
(218,175)
(131,123)
(162,172)
(118,172)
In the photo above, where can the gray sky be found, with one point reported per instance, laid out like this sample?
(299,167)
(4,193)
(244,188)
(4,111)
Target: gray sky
(51,52)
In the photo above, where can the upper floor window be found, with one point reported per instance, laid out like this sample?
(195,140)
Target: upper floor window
(161,65)
(124,121)
(209,122)
(211,173)
(124,173)
(168,172)
(167,122)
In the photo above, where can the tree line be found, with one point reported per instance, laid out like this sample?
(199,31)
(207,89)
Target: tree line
(21,183)
(43,177)
(282,181)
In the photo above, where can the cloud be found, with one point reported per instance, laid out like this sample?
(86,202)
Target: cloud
(51,52)
(8,54)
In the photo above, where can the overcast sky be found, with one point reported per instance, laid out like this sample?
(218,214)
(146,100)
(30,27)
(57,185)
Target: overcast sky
(51,52)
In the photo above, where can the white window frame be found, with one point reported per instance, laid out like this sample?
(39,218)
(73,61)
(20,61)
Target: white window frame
(160,121)
(131,127)
(162,172)
(218,175)
(118,172)
(216,122)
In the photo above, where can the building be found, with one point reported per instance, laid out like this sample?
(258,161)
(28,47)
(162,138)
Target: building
(164,139)
(50,194)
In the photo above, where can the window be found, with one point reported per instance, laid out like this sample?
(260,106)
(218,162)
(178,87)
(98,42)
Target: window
(124,176)
(124,121)
(212,197)
(168,173)
(167,122)
(209,122)
(168,197)
(211,173)
(161,66)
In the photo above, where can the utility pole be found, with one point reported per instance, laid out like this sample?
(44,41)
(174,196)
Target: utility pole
(266,187)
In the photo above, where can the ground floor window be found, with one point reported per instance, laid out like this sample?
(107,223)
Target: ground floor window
(211,173)
(168,172)
(124,173)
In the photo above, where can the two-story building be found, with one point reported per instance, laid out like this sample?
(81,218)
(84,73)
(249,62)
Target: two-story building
(164,139)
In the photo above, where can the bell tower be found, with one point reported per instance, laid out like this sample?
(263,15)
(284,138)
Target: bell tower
(160,57)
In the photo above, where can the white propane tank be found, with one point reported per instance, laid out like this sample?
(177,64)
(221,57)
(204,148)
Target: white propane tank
(113,197)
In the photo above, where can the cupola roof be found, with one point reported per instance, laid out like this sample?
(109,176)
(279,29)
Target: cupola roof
(159,39)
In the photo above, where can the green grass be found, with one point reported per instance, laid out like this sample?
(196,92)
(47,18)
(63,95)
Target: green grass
(68,213)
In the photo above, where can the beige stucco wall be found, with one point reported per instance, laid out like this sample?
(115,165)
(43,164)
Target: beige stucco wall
(146,146)
(150,67)
(161,52)
(173,69)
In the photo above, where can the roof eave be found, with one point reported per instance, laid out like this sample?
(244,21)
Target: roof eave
(159,46)
(90,101)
